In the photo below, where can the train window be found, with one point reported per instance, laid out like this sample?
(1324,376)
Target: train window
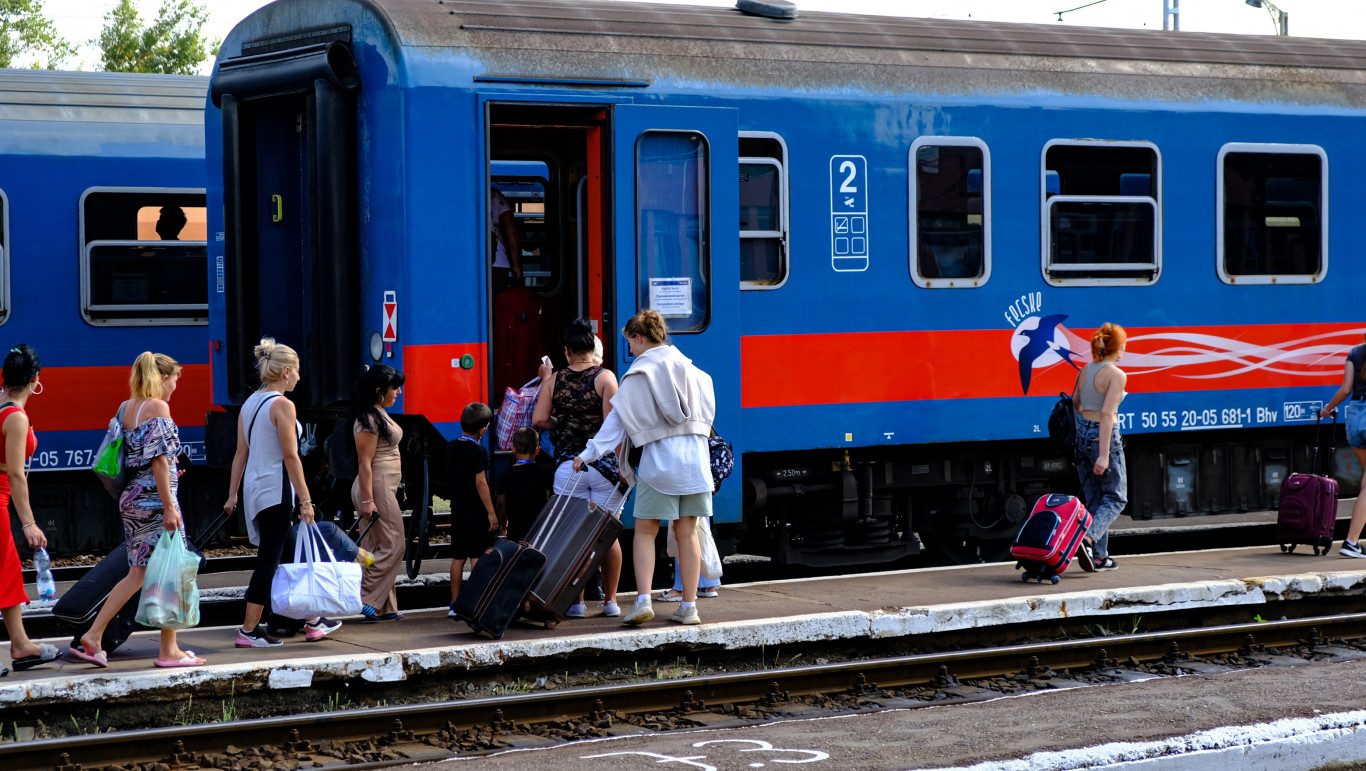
(763,211)
(950,185)
(1102,220)
(144,256)
(672,227)
(1273,202)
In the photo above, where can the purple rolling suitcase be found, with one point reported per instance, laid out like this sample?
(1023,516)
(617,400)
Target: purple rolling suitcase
(1309,503)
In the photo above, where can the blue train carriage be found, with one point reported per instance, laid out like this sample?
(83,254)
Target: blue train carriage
(102,256)
(932,216)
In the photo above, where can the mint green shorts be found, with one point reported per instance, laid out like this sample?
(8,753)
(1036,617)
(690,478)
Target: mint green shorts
(652,504)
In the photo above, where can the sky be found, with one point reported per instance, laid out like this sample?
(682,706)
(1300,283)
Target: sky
(79,21)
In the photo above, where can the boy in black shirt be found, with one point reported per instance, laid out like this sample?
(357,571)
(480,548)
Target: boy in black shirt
(524,489)
(474,523)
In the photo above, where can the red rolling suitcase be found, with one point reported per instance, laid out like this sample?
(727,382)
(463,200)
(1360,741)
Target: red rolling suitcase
(575,534)
(518,336)
(1309,502)
(497,586)
(1050,537)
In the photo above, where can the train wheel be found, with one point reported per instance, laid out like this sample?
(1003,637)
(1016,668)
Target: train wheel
(419,524)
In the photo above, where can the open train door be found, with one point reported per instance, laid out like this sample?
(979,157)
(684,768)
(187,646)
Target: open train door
(676,204)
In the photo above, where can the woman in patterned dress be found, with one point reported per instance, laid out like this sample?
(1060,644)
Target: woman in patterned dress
(148,504)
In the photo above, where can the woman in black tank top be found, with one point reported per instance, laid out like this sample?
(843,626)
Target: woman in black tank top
(1353,386)
(572,405)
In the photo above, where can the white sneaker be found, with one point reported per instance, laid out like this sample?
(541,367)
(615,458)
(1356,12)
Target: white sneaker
(577,610)
(642,612)
(611,609)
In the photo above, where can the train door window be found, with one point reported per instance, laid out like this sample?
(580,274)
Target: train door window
(1273,208)
(951,225)
(763,211)
(1102,221)
(144,256)
(524,185)
(672,227)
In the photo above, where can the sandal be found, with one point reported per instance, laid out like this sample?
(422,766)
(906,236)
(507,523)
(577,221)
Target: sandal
(46,655)
(669,595)
(188,660)
(98,658)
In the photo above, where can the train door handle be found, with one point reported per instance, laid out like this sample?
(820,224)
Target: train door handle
(279,203)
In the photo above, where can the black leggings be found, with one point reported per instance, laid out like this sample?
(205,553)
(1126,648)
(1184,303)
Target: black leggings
(273,525)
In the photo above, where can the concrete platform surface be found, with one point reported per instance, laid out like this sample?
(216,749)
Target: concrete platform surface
(773,614)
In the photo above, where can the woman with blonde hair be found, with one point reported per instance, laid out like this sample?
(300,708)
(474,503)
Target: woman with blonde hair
(1100,448)
(268,433)
(148,503)
(20,382)
(675,464)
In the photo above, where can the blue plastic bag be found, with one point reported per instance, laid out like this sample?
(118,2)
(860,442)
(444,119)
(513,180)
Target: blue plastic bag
(170,593)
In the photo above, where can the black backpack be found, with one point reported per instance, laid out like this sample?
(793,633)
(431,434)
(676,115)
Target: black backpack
(340,447)
(1062,427)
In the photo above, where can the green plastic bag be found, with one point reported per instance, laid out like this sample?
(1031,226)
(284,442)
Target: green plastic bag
(109,456)
(170,593)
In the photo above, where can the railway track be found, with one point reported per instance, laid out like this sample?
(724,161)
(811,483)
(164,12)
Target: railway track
(376,737)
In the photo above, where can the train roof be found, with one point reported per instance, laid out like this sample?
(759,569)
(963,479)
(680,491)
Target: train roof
(648,43)
(102,97)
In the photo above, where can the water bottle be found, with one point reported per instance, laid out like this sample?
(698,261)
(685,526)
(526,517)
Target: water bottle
(42,565)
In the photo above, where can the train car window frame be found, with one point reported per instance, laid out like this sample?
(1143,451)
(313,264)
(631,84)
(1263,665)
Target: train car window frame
(1221,261)
(913,215)
(191,314)
(783,233)
(704,233)
(1055,274)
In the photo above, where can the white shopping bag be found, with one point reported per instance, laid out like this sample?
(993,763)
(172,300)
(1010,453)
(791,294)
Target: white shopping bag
(315,584)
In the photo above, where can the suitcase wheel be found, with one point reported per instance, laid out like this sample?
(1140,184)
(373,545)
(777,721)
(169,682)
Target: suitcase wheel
(1025,576)
(1056,579)
(551,624)
(1285,548)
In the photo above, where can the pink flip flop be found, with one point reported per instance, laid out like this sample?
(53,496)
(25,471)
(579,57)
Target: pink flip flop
(190,660)
(99,659)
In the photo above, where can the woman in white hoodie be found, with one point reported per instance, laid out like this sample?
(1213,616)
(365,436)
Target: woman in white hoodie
(665,406)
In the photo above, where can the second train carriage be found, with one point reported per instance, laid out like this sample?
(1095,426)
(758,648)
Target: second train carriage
(97,172)
(886,239)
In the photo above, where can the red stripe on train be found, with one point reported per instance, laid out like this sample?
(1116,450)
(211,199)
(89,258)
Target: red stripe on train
(85,398)
(853,368)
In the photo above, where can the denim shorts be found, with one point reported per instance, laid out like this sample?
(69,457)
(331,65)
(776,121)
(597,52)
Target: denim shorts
(1356,423)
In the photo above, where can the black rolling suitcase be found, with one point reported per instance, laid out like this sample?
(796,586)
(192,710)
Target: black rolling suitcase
(492,596)
(575,535)
(82,602)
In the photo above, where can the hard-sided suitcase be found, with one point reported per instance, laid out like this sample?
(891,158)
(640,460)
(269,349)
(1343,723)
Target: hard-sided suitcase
(493,594)
(575,535)
(1309,502)
(1050,537)
(79,606)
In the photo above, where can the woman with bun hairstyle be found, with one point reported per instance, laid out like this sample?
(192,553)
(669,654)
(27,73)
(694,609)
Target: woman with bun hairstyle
(1100,448)
(572,405)
(379,469)
(20,382)
(268,433)
(151,442)
(675,465)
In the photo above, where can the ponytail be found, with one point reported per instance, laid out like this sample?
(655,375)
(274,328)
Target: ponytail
(1106,340)
(150,370)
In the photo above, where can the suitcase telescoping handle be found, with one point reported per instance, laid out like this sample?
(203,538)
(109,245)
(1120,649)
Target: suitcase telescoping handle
(558,506)
(1332,444)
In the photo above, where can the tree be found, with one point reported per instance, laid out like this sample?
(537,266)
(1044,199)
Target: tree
(26,32)
(173,44)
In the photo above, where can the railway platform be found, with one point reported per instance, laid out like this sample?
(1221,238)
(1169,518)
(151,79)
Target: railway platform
(772,615)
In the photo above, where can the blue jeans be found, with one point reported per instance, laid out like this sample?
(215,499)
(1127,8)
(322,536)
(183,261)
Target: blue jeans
(1356,423)
(1105,496)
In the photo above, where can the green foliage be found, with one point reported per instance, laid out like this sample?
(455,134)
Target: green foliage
(26,33)
(174,44)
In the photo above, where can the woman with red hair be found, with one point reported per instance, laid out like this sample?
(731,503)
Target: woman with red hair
(1100,449)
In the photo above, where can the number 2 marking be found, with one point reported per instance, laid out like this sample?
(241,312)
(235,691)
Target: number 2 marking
(853,172)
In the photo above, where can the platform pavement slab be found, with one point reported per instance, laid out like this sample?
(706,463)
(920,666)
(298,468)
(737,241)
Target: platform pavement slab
(772,614)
